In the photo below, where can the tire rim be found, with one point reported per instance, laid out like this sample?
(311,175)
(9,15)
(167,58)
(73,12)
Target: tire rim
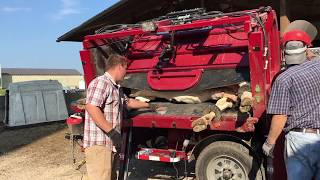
(226,168)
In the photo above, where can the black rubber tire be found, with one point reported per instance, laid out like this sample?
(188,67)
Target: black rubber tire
(222,149)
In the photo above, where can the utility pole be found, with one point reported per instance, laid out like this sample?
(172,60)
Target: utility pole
(0,77)
(202,3)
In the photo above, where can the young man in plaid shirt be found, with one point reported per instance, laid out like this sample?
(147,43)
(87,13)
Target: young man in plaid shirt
(105,103)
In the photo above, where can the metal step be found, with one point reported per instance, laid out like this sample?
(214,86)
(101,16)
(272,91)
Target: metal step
(162,155)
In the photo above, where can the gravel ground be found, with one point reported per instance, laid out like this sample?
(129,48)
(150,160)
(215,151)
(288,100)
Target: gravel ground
(41,153)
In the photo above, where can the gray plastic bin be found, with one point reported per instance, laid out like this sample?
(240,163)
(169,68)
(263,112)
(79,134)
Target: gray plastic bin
(33,102)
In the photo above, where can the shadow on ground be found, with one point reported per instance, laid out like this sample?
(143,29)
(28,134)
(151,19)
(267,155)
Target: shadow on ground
(159,170)
(14,138)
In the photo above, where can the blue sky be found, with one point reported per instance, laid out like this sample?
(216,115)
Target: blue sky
(29,30)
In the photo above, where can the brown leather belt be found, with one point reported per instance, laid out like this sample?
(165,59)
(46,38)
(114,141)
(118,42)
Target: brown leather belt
(306,130)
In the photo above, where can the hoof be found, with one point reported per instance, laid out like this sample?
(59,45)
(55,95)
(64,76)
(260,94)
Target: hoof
(199,128)
(244,109)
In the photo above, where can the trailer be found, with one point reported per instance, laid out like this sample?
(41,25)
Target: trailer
(180,61)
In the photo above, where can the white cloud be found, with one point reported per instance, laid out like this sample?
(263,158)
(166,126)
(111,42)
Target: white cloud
(15,9)
(69,7)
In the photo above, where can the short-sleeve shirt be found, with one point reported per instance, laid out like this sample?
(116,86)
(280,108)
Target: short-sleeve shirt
(104,93)
(296,93)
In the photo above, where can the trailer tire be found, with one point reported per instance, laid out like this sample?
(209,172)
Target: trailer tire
(227,160)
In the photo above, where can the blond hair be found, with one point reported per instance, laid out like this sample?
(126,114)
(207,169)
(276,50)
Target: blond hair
(114,60)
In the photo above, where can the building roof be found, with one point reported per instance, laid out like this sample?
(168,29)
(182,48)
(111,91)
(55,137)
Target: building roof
(36,71)
(127,12)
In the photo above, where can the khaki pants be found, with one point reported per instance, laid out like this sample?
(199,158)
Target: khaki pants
(100,163)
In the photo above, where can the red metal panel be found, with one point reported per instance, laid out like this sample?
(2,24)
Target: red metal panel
(224,47)
(74,120)
(87,44)
(173,80)
(184,122)
(192,61)
(88,66)
(218,66)
(216,48)
(161,155)
(274,50)
(232,42)
(168,28)
(217,39)
(257,73)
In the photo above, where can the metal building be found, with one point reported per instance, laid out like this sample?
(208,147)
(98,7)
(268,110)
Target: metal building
(69,78)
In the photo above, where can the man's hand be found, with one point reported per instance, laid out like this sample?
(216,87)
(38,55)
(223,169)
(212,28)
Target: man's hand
(115,137)
(267,149)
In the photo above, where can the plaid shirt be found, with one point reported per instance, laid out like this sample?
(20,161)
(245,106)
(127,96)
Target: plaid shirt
(296,93)
(104,93)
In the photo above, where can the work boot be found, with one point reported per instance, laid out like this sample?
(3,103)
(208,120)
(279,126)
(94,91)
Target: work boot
(219,95)
(244,109)
(221,105)
(245,96)
(201,123)
(244,86)
(199,128)
(212,113)
(187,99)
(246,99)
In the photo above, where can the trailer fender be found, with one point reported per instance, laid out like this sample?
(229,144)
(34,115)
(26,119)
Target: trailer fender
(231,147)
(217,137)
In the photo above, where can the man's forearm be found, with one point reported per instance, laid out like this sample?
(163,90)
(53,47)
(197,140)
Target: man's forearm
(135,104)
(98,117)
(277,124)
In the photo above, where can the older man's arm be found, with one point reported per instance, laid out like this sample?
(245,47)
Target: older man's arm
(277,124)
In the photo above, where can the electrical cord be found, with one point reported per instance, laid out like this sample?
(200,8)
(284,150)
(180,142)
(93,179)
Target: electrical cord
(173,163)
(82,174)
(116,27)
(177,172)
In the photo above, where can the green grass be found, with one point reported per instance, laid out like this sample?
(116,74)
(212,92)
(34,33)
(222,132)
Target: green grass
(2,92)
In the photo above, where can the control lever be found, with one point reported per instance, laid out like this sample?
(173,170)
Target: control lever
(165,56)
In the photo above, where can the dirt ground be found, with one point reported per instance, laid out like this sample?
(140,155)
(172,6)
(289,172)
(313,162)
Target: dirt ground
(42,153)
